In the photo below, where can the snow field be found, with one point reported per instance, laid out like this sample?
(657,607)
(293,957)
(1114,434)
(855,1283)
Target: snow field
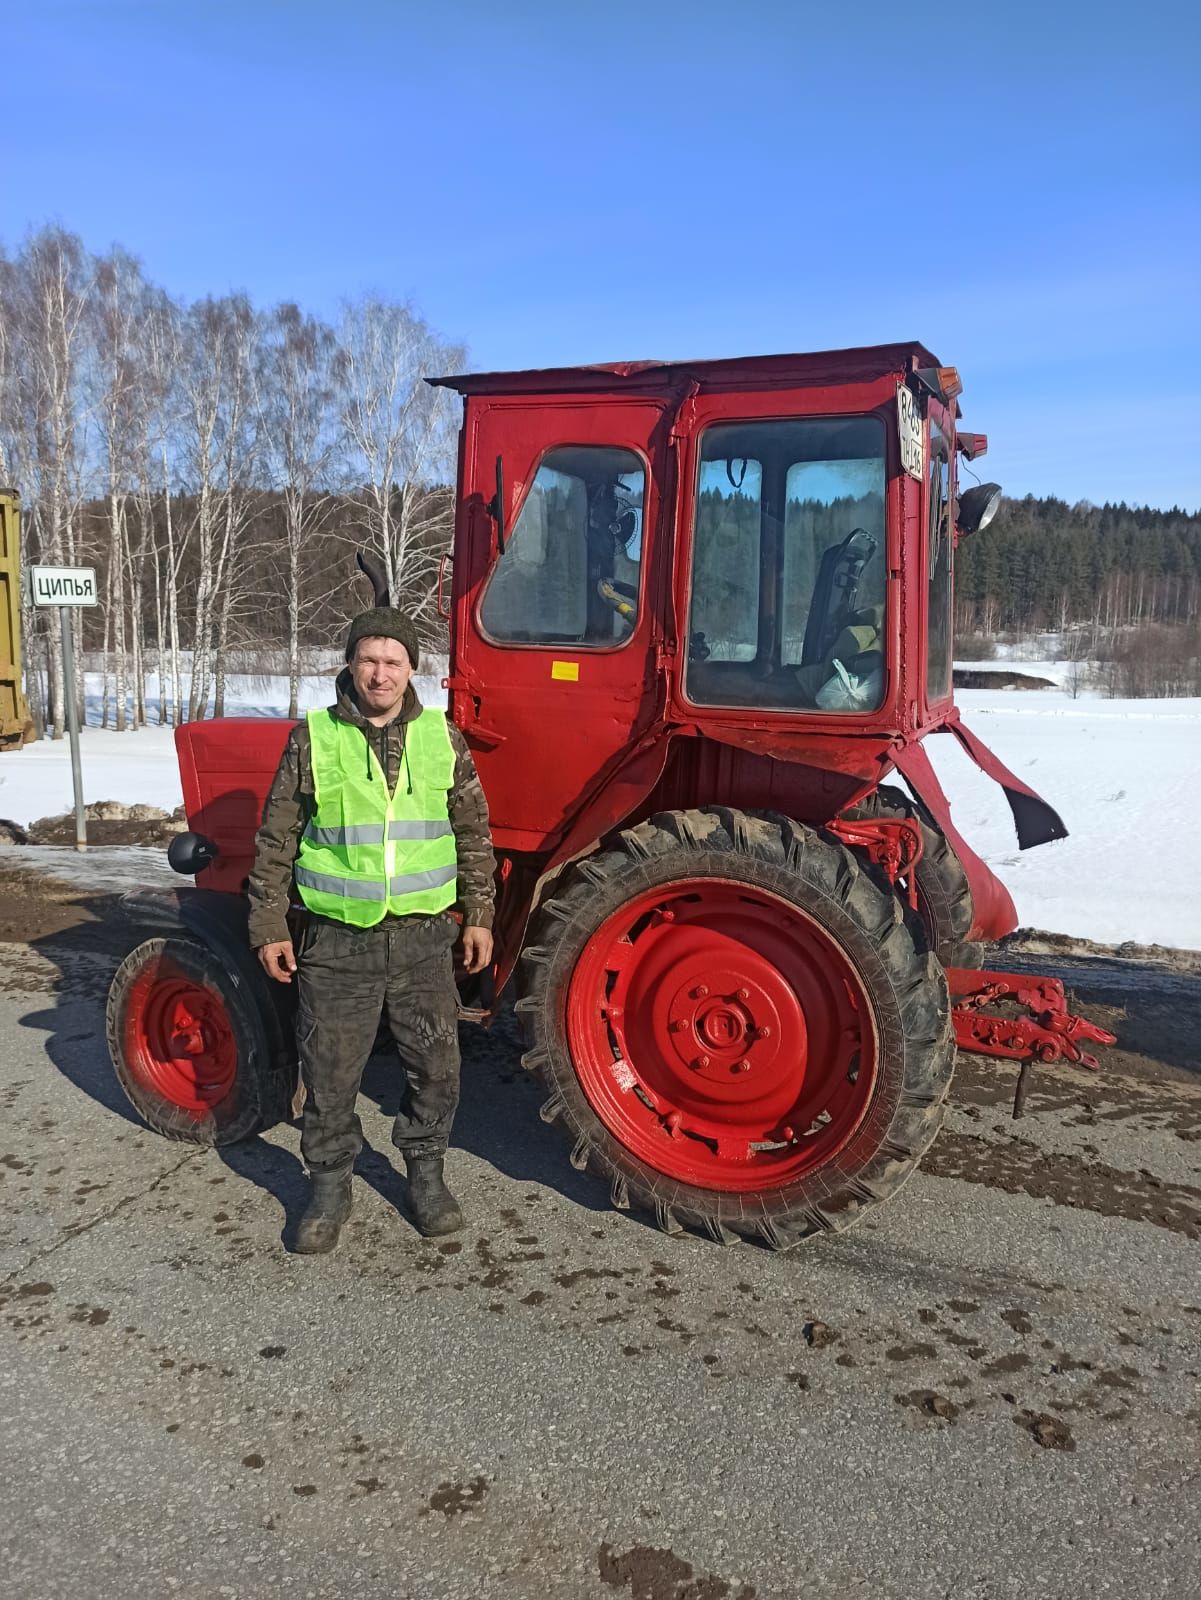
(1123,774)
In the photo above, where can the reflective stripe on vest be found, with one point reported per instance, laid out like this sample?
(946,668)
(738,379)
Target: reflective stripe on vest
(366,853)
(355,890)
(374,832)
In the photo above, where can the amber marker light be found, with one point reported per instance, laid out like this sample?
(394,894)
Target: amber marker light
(971,445)
(949,382)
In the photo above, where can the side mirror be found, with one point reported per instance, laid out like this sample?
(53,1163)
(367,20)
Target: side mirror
(977,507)
(190,853)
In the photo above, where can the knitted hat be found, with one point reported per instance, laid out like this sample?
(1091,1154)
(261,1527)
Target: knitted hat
(384,622)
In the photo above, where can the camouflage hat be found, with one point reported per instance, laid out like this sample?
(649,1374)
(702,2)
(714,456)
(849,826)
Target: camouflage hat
(384,622)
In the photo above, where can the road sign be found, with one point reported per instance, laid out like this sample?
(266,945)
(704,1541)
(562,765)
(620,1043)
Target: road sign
(63,586)
(66,588)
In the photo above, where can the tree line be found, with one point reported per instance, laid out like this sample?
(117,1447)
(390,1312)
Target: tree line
(1043,564)
(217,462)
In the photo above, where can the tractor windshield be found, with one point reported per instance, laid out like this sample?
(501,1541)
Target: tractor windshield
(787,603)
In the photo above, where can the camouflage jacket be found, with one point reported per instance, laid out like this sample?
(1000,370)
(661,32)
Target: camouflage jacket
(290,805)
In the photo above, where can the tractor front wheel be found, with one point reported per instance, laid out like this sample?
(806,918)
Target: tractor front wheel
(189,1046)
(735,1027)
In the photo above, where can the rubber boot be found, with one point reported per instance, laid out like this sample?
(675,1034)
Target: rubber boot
(432,1207)
(329,1206)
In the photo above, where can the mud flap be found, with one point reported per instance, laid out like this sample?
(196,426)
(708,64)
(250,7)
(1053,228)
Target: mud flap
(1035,821)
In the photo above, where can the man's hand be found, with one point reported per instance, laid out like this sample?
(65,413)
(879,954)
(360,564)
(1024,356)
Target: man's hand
(279,961)
(477,949)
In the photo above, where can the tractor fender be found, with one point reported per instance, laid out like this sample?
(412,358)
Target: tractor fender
(610,804)
(219,920)
(994,913)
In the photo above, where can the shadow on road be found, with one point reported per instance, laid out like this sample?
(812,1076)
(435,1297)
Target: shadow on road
(83,940)
(498,1117)
(84,937)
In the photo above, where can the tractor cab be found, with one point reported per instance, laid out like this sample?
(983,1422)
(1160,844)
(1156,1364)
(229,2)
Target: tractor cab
(725,578)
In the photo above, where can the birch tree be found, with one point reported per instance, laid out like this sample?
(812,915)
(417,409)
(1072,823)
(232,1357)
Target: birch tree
(400,439)
(218,408)
(119,303)
(300,429)
(53,285)
(160,412)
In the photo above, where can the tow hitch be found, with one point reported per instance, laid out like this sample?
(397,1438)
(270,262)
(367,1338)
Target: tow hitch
(985,1007)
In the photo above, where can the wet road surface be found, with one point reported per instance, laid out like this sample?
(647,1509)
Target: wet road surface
(991,1387)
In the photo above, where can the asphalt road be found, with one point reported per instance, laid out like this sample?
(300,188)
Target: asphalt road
(990,1388)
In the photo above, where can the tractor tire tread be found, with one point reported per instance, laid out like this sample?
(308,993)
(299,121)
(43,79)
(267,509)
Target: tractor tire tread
(772,851)
(946,914)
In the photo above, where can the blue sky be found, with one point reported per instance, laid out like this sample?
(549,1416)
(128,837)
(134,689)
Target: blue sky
(1017,185)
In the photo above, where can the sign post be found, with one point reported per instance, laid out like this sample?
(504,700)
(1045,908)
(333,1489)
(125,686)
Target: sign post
(66,588)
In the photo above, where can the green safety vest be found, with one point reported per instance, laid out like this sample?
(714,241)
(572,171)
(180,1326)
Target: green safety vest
(366,854)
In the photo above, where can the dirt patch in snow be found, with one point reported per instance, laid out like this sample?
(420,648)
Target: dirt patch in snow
(999,678)
(109,822)
(1081,952)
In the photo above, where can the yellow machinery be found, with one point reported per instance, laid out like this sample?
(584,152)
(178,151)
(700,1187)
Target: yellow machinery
(15,726)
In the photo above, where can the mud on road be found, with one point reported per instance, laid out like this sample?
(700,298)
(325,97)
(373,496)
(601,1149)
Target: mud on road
(992,1386)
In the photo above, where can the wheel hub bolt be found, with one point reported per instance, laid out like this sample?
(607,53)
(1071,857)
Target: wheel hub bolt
(744,994)
(701,990)
(742,1066)
(765,1031)
(703,1061)
(678,1026)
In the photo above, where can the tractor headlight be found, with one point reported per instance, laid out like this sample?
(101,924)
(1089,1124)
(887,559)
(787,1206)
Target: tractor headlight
(977,507)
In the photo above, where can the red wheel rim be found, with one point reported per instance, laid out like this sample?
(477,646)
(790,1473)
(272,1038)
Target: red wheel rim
(722,1036)
(179,1041)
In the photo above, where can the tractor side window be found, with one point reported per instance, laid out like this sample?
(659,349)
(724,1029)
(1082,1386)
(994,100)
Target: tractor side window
(938,626)
(788,572)
(570,569)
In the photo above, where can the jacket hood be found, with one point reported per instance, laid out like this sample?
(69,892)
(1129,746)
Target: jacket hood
(346,707)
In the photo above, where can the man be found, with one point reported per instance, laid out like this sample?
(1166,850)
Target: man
(377,813)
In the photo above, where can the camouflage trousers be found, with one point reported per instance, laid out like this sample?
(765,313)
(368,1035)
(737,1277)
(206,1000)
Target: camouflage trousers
(348,978)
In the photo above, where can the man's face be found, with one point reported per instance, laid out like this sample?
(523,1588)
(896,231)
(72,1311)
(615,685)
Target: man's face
(381,670)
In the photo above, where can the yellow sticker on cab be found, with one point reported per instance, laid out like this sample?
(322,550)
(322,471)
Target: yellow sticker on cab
(565,671)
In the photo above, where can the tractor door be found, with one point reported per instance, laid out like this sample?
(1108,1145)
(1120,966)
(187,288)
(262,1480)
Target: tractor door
(554,670)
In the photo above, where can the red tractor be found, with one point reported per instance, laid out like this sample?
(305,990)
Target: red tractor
(698,613)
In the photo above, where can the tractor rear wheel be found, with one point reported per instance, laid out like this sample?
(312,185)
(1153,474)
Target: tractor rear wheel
(189,1046)
(944,896)
(735,1027)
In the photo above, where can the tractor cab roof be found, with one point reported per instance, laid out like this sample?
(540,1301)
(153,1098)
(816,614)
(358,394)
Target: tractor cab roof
(817,369)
